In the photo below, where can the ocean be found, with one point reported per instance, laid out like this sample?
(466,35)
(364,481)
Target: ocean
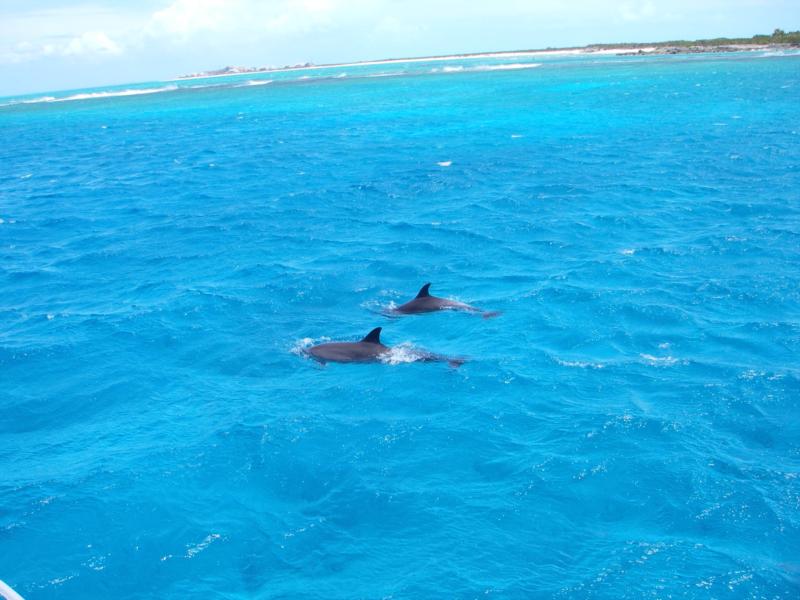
(627,428)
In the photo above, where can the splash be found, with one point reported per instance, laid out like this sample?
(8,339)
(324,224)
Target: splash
(301,346)
(402,354)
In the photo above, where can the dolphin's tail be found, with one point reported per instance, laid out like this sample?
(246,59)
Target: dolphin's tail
(491,314)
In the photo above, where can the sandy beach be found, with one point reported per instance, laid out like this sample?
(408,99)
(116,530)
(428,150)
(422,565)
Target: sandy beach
(390,61)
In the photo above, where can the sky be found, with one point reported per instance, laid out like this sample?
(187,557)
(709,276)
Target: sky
(48,45)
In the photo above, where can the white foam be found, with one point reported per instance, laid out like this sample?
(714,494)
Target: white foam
(197,548)
(131,92)
(37,100)
(93,95)
(580,364)
(401,354)
(252,82)
(508,67)
(502,67)
(771,53)
(31,101)
(300,346)
(377,307)
(628,251)
(445,163)
(666,361)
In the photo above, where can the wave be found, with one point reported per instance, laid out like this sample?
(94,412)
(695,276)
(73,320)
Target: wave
(666,361)
(581,364)
(31,101)
(257,82)
(771,53)
(93,95)
(508,67)
(36,100)
(504,67)
(115,94)
(251,83)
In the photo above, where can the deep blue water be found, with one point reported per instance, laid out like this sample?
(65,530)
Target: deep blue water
(628,428)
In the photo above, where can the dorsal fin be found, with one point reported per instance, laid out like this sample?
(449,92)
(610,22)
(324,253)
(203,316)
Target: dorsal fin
(424,293)
(373,337)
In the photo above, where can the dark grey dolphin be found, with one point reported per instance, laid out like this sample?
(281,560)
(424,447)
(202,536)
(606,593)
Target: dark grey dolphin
(369,349)
(425,303)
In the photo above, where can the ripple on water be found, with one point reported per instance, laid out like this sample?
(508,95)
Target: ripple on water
(628,425)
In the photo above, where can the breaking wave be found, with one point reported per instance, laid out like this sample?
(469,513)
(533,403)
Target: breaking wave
(505,67)
(95,95)
(259,82)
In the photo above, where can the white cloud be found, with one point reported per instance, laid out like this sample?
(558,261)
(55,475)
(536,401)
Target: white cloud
(91,42)
(85,30)
(184,18)
(301,16)
(393,26)
(637,11)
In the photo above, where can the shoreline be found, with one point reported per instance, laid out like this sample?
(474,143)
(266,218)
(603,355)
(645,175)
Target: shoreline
(622,50)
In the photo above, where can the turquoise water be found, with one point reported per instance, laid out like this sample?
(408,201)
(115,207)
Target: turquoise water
(627,428)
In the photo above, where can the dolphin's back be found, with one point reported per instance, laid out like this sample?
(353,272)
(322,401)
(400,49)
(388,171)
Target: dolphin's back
(418,305)
(424,302)
(348,352)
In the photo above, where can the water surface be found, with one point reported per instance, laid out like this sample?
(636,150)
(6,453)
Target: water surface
(628,427)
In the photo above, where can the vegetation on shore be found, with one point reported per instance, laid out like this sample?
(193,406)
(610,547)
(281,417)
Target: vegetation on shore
(779,36)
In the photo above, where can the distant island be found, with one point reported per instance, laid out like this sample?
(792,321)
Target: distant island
(779,39)
(230,70)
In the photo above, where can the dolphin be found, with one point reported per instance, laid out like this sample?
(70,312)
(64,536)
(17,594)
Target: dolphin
(425,303)
(369,349)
